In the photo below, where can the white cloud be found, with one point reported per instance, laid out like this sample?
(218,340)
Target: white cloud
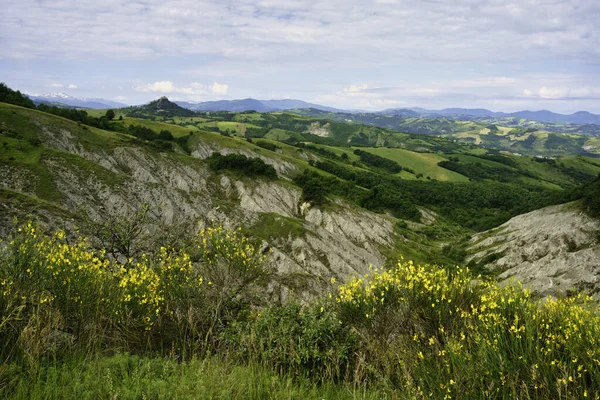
(444,48)
(56,85)
(219,89)
(369,33)
(192,91)
(159,87)
(356,88)
(71,86)
(120,98)
(553,92)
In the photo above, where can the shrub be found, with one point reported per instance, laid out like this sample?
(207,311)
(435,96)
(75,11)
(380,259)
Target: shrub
(267,145)
(53,288)
(301,341)
(247,166)
(446,333)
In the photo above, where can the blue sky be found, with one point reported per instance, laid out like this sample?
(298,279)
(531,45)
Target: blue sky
(357,54)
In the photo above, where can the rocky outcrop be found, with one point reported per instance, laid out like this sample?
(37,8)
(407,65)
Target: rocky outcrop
(340,241)
(552,251)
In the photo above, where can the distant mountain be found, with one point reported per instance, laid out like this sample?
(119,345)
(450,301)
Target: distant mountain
(253,104)
(72,101)
(404,112)
(580,117)
(290,104)
(228,105)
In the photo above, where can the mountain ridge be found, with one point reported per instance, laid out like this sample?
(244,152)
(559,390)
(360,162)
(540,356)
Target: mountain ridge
(240,105)
(74,101)
(578,117)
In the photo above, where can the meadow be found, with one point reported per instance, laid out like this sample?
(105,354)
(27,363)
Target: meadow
(192,321)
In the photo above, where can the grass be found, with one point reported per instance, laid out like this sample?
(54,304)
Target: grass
(272,226)
(176,130)
(238,128)
(281,135)
(126,376)
(204,330)
(424,163)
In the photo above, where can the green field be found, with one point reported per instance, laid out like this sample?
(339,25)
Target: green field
(424,163)
(238,128)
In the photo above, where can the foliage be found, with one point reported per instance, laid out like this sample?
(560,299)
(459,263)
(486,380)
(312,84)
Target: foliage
(80,116)
(7,95)
(476,205)
(59,296)
(321,151)
(447,335)
(591,198)
(300,341)
(380,162)
(252,167)
(416,331)
(131,377)
(267,145)
(479,171)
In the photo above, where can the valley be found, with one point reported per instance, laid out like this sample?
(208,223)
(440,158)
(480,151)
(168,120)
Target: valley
(268,245)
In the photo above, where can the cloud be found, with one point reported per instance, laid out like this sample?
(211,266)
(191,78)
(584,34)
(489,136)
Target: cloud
(160,87)
(192,91)
(367,33)
(56,85)
(407,51)
(553,92)
(71,86)
(219,89)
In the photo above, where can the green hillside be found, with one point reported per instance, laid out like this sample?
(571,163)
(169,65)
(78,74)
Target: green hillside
(528,139)
(196,237)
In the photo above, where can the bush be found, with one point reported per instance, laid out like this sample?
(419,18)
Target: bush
(447,333)
(247,166)
(58,296)
(267,145)
(296,340)
(380,162)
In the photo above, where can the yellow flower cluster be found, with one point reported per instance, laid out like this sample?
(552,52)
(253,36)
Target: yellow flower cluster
(218,244)
(37,268)
(455,321)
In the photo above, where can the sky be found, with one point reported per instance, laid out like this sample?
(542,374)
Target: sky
(355,54)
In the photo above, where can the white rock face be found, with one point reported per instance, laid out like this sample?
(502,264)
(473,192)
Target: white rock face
(341,241)
(552,250)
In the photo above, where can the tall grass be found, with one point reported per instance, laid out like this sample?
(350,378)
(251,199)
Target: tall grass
(200,315)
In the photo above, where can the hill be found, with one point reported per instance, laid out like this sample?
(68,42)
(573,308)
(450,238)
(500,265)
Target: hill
(252,104)
(159,107)
(459,184)
(507,134)
(578,118)
(204,233)
(72,101)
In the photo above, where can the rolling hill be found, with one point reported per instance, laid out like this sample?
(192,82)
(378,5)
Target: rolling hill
(252,104)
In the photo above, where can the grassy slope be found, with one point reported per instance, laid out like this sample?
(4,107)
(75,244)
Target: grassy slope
(424,163)
(26,123)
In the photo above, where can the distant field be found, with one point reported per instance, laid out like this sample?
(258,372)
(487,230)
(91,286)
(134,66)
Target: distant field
(248,117)
(279,134)
(156,126)
(425,163)
(190,120)
(238,128)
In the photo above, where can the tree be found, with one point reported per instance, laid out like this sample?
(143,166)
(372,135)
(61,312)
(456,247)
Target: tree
(110,115)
